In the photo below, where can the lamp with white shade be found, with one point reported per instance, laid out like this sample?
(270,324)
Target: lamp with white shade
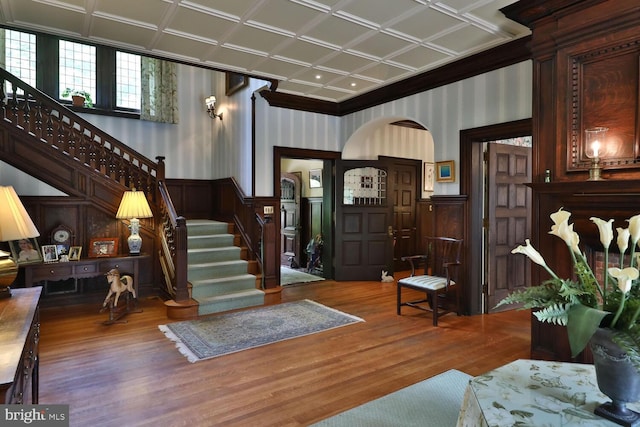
(15,224)
(134,206)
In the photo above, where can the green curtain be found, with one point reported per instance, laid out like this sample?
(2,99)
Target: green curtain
(159,91)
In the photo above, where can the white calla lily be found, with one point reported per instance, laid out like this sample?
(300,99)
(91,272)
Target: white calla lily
(625,277)
(623,239)
(560,216)
(606,230)
(531,252)
(634,228)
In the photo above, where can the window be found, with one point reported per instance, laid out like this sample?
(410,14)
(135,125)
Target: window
(20,56)
(77,68)
(128,80)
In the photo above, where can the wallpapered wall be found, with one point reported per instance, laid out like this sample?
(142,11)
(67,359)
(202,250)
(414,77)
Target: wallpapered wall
(201,148)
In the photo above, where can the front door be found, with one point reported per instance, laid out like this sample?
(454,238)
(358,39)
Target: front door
(364,220)
(509,220)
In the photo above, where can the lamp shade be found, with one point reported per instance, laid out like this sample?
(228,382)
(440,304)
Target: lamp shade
(15,222)
(134,205)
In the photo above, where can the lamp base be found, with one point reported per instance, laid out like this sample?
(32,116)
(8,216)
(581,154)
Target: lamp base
(595,171)
(5,292)
(134,240)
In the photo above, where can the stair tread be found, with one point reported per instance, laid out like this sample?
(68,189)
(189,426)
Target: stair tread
(223,279)
(231,295)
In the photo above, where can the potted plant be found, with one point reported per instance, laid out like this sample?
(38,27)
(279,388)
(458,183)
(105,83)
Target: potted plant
(606,314)
(80,98)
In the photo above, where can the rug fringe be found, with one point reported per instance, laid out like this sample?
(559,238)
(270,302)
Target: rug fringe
(359,319)
(183,349)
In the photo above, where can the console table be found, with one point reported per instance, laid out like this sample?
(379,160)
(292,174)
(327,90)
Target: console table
(84,268)
(19,336)
(535,393)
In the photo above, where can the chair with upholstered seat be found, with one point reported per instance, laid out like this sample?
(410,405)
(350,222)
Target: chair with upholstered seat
(439,282)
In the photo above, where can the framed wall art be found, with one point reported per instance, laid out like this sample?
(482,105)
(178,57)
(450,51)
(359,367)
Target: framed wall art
(103,247)
(49,253)
(234,82)
(445,171)
(428,176)
(315,178)
(74,253)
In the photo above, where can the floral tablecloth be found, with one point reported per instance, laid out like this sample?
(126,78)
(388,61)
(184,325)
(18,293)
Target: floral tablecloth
(534,393)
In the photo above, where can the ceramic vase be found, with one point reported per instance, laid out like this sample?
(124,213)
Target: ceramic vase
(617,378)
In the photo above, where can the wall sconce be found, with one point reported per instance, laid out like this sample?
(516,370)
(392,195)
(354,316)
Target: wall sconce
(211,108)
(15,224)
(594,144)
(134,205)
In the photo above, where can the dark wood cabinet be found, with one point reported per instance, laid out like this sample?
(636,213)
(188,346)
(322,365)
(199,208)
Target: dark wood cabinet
(19,336)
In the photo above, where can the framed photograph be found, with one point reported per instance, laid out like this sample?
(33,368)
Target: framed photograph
(428,176)
(25,251)
(445,171)
(49,253)
(74,253)
(315,178)
(103,247)
(234,82)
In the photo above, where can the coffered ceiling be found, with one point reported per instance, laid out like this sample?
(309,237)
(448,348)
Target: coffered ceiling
(330,50)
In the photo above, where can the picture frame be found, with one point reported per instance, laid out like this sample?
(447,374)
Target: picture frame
(234,82)
(103,247)
(315,178)
(445,171)
(50,253)
(428,176)
(74,253)
(25,251)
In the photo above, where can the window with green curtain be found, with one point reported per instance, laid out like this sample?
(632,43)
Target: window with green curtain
(159,91)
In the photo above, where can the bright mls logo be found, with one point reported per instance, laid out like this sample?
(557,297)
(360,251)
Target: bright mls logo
(34,415)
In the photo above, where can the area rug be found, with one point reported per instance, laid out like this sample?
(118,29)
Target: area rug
(289,276)
(241,330)
(434,402)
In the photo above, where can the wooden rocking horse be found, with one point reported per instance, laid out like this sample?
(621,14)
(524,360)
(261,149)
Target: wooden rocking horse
(118,285)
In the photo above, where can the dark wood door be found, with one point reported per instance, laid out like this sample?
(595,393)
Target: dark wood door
(290,192)
(404,188)
(509,220)
(364,220)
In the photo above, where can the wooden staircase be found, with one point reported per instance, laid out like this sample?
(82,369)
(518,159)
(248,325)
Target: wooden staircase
(218,270)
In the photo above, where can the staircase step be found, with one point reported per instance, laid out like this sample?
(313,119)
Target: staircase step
(219,303)
(204,255)
(222,285)
(216,269)
(197,227)
(210,241)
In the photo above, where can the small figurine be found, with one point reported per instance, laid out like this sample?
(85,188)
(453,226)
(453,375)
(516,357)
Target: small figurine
(118,285)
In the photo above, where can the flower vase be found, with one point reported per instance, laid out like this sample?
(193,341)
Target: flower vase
(617,378)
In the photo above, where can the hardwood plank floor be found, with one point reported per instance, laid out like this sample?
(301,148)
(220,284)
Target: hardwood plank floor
(131,375)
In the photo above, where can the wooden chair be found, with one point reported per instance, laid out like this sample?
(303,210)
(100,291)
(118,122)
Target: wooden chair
(441,260)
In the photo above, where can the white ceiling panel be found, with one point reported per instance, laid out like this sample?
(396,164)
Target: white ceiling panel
(371,43)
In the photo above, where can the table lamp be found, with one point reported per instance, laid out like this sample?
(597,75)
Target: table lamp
(133,206)
(15,224)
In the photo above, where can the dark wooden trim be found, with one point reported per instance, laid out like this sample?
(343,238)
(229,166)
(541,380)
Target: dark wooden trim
(483,62)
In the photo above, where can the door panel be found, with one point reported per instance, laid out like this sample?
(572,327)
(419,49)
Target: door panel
(290,192)
(364,220)
(404,186)
(509,216)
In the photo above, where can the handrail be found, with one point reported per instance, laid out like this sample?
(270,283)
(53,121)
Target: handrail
(173,248)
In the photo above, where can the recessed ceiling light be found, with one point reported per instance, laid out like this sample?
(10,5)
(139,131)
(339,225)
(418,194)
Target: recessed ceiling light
(353,84)
(318,76)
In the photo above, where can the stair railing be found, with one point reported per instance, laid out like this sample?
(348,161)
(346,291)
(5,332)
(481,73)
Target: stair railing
(37,115)
(173,247)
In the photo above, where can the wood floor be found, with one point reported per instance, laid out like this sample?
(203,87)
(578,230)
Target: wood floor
(131,375)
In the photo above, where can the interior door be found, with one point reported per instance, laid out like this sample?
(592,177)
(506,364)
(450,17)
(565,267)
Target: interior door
(404,187)
(364,220)
(290,192)
(509,220)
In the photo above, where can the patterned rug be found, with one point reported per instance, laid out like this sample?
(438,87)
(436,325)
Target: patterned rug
(232,332)
(289,276)
(434,402)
